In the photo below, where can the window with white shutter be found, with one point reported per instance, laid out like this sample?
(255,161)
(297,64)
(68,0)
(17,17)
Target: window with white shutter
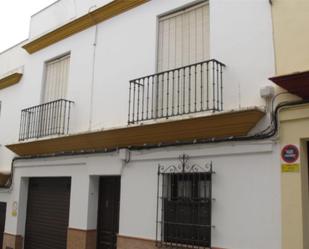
(56,79)
(183,37)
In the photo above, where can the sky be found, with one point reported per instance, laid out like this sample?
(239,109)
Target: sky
(15,20)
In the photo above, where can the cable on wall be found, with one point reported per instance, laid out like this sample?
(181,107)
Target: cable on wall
(271,131)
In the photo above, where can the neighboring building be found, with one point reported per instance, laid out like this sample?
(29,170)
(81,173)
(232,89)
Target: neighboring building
(290,22)
(115,117)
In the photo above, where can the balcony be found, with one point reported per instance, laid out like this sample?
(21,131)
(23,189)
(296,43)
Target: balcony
(190,89)
(52,118)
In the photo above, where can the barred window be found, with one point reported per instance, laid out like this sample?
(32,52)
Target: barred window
(184,206)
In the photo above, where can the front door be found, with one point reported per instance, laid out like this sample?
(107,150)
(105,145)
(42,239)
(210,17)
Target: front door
(108,213)
(2,221)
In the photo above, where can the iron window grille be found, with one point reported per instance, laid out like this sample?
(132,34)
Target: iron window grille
(190,89)
(52,118)
(184,204)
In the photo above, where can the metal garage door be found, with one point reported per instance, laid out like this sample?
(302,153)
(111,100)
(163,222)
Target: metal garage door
(47,213)
(2,221)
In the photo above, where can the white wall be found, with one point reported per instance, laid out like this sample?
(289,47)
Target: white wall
(241,37)
(84,172)
(246,187)
(51,17)
(11,61)
(127,50)
(60,13)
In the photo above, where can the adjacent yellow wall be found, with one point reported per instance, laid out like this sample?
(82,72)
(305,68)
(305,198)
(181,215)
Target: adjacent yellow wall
(291,43)
(294,129)
(291,35)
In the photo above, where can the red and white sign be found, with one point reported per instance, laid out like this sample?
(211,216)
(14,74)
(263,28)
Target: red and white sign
(290,153)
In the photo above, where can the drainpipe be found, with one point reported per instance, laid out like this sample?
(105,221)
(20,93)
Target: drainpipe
(95,40)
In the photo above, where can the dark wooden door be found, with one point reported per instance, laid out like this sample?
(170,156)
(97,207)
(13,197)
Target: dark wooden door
(2,221)
(47,213)
(108,213)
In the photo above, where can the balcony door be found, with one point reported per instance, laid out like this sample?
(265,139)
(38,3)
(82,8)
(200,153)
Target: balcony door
(183,39)
(52,110)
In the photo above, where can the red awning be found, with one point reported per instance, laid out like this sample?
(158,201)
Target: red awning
(296,83)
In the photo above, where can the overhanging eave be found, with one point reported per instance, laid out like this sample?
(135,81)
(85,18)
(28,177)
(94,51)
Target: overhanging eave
(296,83)
(236,123)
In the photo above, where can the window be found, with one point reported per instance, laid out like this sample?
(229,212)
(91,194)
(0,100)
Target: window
(184,206)
(183,37)
(56,79)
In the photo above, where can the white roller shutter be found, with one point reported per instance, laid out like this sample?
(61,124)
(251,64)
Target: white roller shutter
(56,79)
(183,37)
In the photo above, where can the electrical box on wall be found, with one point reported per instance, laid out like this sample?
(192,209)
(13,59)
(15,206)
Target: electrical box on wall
(267,92)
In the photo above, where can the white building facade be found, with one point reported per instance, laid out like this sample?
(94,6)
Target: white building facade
(140,124)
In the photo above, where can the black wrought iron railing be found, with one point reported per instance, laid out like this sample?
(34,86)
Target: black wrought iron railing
(52,118)
(190,89)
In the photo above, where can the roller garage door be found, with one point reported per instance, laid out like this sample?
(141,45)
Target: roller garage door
(47,213)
